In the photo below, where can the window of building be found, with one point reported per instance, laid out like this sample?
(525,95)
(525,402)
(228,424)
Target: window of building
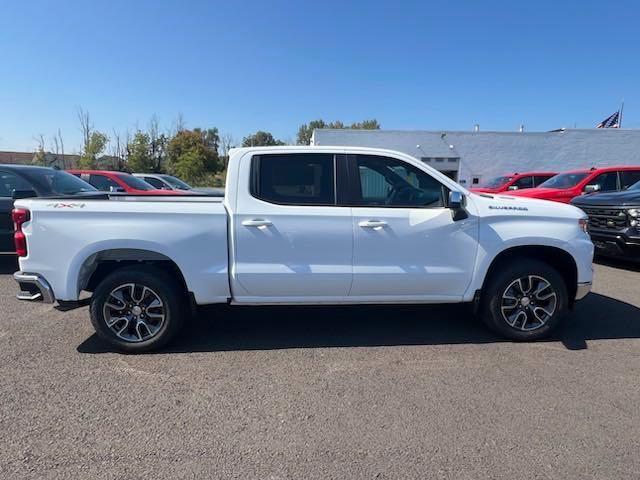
(294,179)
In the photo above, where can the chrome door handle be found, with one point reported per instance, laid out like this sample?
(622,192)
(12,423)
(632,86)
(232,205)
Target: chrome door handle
(257,222)
(372,224)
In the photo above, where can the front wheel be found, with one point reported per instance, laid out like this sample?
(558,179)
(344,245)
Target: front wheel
(525,300)
(137,308)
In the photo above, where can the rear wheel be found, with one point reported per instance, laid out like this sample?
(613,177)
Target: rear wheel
(525,300)
(137,308)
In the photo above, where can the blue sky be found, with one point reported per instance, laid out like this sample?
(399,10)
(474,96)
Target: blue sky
(244,66)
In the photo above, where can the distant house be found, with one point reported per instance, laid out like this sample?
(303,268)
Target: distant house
(50,159)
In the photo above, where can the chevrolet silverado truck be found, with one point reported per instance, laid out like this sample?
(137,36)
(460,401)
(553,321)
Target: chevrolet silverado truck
(305,225)
(614,222)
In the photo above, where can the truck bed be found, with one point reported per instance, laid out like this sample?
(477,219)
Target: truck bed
(67,235)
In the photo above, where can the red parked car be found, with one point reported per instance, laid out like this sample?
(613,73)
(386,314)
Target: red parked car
(566,186)
(108,181)
(515,181)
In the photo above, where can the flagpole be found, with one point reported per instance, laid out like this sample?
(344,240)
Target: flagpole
(620,119)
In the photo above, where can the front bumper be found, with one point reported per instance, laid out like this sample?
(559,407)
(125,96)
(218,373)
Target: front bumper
(34,288)
(623,244)
(582,290)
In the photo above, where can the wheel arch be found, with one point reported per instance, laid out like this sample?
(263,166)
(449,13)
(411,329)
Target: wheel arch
(98,265)
(556,257)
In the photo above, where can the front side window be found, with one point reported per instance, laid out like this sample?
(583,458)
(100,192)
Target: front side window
(389,182)
(102,182)
(154,182)
(564,180)
(524,182)
(607,182)
(495,182)
(134,182)
(294,179)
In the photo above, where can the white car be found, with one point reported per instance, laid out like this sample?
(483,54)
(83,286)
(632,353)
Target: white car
(306,225)
(162,181)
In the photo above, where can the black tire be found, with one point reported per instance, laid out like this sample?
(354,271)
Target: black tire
(497,312)
(162,285)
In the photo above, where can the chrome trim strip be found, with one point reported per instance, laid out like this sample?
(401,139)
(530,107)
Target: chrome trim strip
(582,290)
(46,293)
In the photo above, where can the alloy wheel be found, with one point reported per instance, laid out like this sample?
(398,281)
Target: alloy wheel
(528,302)
(134,312)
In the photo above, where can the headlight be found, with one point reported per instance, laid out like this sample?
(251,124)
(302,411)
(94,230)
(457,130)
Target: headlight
(634,223)
(634,212)
(583,223)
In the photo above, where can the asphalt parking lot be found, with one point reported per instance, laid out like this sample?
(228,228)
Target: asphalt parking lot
(357,392)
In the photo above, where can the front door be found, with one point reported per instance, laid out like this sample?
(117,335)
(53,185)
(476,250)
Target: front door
(292,243)
(406,244)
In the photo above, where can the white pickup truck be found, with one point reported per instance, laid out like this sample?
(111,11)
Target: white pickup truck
(305,225)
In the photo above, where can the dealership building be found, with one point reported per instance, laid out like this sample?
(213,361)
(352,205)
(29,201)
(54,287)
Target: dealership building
(474,156)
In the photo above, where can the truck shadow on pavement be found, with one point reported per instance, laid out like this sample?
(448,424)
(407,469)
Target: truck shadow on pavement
(224,328)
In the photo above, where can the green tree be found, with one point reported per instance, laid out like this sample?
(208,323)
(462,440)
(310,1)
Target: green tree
(193,154)
(94,146)
(261,139)
(140,157)
(306,130)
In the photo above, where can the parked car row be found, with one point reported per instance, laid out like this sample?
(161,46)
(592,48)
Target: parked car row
(24,181)
(610,196)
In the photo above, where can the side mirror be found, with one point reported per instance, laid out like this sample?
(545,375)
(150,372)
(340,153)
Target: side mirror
(512,187)
(592,188)
(18,194)
(456,204)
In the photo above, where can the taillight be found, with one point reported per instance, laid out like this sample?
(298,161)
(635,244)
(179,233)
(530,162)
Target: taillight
(19,216)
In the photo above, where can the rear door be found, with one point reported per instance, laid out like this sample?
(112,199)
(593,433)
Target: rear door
(291,243)
(406,244)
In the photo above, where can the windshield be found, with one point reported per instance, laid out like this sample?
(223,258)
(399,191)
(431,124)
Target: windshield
(176,182)
(135,182)
(495,182)
(58,182)
(564,180)
(635,186)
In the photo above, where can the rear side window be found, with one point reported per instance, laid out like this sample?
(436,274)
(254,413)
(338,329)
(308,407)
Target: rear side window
(10,182)
(628,178)
(294,179)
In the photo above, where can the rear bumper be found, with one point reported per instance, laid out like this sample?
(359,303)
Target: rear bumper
(34,288)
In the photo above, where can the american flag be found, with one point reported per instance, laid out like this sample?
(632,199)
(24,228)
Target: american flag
(612,121)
